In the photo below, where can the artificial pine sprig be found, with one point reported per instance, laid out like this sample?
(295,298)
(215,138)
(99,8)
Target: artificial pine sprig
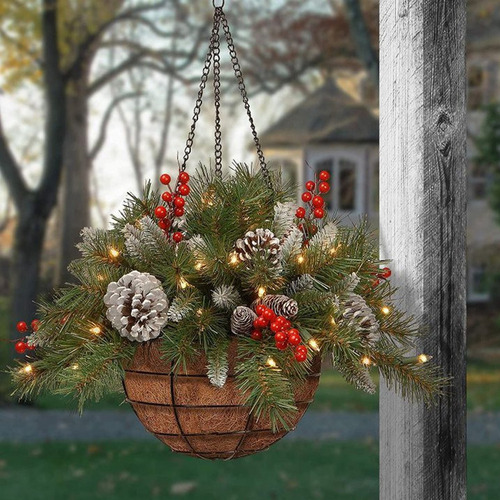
(220,245)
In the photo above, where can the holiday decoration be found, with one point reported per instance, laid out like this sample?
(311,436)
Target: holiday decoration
(258,243)
(213,302)
(137,306)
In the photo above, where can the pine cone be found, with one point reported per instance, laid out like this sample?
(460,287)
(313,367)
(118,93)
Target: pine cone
(280,304)
(260,243)
(359,315)
(137,306)
(242,320)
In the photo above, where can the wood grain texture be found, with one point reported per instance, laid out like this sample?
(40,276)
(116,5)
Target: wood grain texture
(422,228)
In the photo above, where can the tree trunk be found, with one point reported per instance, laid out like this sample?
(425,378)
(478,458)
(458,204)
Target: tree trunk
(28,245)
(75,197)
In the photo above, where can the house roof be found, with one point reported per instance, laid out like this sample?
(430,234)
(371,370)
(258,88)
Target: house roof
(327,115)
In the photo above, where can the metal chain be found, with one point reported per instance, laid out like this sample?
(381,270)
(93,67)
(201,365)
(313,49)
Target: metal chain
(203,83)
(214,51)
(244,95)
(217,97)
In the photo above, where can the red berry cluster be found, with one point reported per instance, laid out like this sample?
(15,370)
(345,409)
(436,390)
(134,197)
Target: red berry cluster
(384,274)
(315,202)
(174,204)
(284,334)
(21,345)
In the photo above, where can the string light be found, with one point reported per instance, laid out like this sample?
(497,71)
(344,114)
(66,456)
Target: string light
(261,292)
(75,366)
(301,259)
(199,312)
(114,252)
(271,363)
(314,345)
(183,283)
(100,277)
(424,358)
(333,322)
(198,266)
(96,330)
(233,260)
(385,310)
(27,369)
(335,249)
(366,361)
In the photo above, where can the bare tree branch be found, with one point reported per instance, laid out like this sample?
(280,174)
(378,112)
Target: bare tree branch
(11,171)
(101,139)
(361,38)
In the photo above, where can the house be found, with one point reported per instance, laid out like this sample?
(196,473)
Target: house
(336,129)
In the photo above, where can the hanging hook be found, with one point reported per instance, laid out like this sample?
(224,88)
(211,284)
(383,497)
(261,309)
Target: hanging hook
(220,2)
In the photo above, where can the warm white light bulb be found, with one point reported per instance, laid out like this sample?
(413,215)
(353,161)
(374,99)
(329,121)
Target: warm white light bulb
(233,260)
(424,358)
(385,310)
(301,259)
(314,345)
(183,283)
(261,292)
(96,330)
(114,252)
(271,363)
(75,366)
(366,361)
(198,266)
(27,369)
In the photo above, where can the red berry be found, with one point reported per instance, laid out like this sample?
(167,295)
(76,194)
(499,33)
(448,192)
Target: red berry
(300,356)
(293,331)
(306,197)
(324,175)
(324,187)
(167,196)
(35,324)
(164,224)
(160,212)
(260,322)
(287,325)
(280,337)
(281,345)
(319,213)
(318,202)
(281,320)
(179,202)
(256,335)
(21,347)
(260,309)
(294,339)
(184,189)
(376,283)
(386,273)
(314,229)
(165,179)
(31,347)
(179,212)
(177,237)
(275,326)
(22,327)
(301,348)
(269,314)
(301,227)
(310,185)
(183,177)
(300,213)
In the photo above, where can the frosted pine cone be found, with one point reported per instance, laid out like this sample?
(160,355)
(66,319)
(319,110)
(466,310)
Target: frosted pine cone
(137,306)
(281,305)
(259,243)
(359,315)
(242,320)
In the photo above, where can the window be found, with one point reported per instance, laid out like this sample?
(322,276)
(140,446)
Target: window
(478,182)
(478,285)
(346,184)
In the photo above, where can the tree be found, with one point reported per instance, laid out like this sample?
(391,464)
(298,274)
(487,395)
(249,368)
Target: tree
(488,152)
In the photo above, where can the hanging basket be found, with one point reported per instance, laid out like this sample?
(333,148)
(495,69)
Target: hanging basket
(195,418)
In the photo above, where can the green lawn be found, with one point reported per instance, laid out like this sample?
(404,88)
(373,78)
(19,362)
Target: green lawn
(301,470)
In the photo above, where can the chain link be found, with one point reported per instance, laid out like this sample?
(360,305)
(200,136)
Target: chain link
(217,96)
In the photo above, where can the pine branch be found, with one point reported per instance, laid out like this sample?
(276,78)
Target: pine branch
(218,364)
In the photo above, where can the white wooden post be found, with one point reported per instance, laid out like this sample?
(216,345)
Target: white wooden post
(422,229)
